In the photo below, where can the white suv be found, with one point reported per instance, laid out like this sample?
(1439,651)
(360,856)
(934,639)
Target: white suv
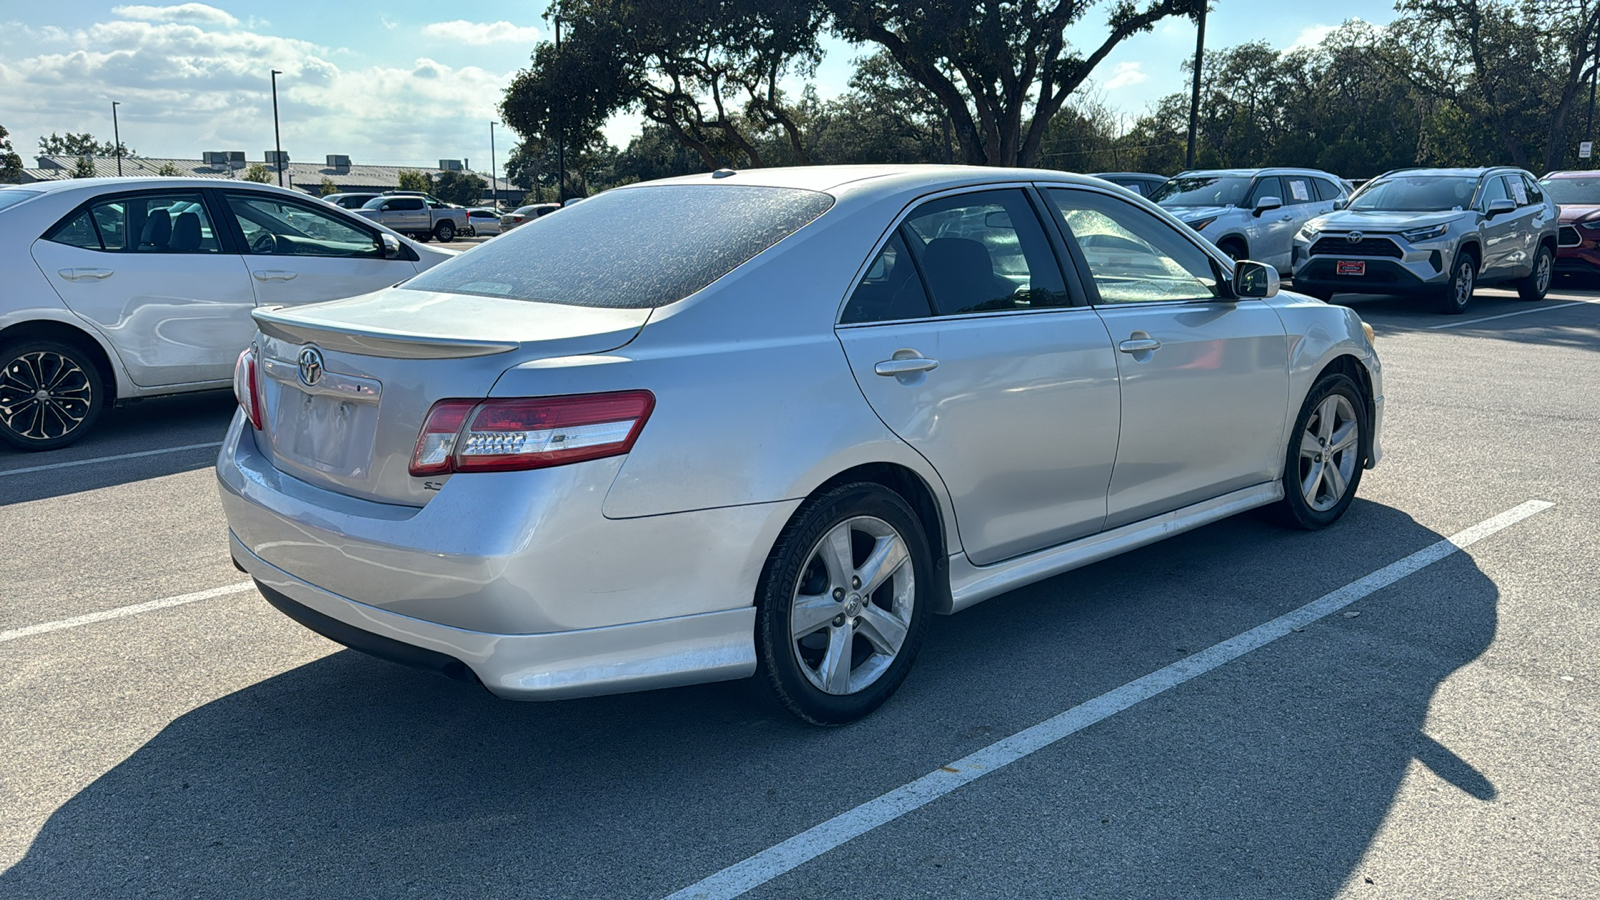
(1251,213)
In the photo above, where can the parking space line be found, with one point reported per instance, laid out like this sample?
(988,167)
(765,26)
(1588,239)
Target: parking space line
(808,845)
(1520,312)
(101,459)
(122,611)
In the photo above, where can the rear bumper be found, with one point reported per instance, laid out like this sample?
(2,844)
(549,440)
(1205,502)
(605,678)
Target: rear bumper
(662,653)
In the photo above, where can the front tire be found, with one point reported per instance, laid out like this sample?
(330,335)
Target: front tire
(51,394)
(1458,291)
(1537,284)
(1326,454)
(843,603)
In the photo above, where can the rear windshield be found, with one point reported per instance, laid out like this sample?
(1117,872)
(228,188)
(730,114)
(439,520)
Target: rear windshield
(13,196)
(1417,193)
(1562,190)
(634,248)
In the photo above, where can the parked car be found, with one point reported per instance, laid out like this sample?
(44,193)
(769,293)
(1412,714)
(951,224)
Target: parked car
(483,221)
(1577,197)
(1142,183)
(1436,233)
(1251,213)
(419,215)
(120,288)
(351,201)
(526,213)
(605,452)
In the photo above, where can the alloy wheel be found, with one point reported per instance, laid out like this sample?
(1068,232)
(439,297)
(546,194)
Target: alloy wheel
(1542,274)
(1461,290)
(44,395)
(852,605)
(1330,450)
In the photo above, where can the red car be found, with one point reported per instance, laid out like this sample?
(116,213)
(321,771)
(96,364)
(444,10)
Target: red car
(1578,196)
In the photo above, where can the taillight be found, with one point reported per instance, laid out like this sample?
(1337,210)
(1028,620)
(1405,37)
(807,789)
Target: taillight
(247,387)
(528,433)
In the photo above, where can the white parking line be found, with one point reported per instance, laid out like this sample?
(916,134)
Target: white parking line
(101,459)
(808,845)
(121,611)
(1520,312)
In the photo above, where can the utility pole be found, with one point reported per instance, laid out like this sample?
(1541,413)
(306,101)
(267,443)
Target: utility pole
(561,133)
(1194,96)
(277,140)
(494,188)
(116,133)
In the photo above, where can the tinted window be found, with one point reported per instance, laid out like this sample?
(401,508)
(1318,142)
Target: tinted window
(1493,189)
(984,251)
(1326,190)
(1534,193)
(891,289)
(78,231)
(111,221)
(1133,256)
(404,203)
(633,248)
(286,228)
(1202,190)
(1416,193)
(1266,187)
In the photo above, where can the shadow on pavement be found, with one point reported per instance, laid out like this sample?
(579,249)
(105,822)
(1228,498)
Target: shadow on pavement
(1555,328)
(351,777)
(155,424)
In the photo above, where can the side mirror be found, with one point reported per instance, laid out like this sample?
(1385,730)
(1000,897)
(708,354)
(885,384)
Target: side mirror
(1267,204)
(391,246)
(1254,280)
(1496,207)
(1341,203)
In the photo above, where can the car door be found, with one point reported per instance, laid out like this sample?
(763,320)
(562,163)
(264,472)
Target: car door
(1302,202)
(966,343)
(1501,244)
(1272,232)
(152,272)
(303,252)
(1531,218)
(1205,377)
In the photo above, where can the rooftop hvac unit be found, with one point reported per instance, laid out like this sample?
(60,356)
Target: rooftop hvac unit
(338,161)
(235,159)
(216,159)
(273,158)
(450,165)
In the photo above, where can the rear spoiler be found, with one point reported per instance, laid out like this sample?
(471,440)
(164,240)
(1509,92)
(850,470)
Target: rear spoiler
(281,323)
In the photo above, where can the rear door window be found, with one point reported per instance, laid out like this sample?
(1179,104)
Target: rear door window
(1299,190)
(890,290)
(984,251)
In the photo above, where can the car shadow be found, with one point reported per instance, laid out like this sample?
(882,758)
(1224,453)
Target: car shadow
(158,424)
(348,776)
(1409,315)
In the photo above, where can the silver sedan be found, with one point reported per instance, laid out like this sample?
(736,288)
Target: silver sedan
(767,423)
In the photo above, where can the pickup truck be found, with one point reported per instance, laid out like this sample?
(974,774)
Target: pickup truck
(420,216)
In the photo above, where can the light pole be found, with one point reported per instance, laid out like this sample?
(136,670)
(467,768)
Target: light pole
(494,185)
(1194,97)
(277,140)
(561,134)
(116,135)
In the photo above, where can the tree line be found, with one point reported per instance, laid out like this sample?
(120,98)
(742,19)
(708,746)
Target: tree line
(1447,82)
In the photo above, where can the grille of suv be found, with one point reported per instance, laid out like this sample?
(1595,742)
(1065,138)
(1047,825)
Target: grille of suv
(1569,237)
(1338,246)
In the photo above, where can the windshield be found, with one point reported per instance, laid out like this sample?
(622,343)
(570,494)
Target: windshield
(636,248)
(1202,190)
(1573,190)
(1417,193)
(13,196)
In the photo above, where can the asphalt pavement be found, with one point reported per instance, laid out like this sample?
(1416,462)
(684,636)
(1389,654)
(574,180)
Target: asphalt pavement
(1429,732)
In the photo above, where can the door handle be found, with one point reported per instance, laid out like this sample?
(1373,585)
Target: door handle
(82,274)
(274,275)
(1139,345)
(905,365)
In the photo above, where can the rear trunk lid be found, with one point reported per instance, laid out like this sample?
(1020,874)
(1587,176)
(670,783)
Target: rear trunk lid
(347,385)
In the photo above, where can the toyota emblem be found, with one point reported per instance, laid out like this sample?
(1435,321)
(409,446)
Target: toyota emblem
(1354,237)
(310,366)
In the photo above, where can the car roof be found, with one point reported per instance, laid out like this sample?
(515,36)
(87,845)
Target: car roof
(1467,171)
(1573,173)
(881,180)
(1148,175)
(115,185)
(1251,173)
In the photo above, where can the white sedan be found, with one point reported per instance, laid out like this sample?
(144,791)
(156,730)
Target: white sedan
(484,221)
(118,288)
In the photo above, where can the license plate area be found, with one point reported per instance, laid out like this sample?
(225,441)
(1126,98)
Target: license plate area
(330,427)
(1350,267)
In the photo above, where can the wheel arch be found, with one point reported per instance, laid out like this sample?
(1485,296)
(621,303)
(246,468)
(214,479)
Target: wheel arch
(1348,365)
(66,333)
(1234,238)
(1471,248)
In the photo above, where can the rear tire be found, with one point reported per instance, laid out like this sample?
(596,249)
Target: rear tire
(51,394)
(1537,284)
(1457,292)
(446,232)
(1326,454)
(843,603)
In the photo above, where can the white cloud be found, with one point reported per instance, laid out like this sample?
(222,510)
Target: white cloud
(1311,37)
(479,34)
(185,89)
(1126,74)
(182,12)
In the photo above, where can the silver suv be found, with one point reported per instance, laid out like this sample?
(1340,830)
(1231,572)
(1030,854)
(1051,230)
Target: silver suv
(1433,232)
(1251,213)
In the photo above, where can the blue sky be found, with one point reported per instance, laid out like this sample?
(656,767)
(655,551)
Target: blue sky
(410,83)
